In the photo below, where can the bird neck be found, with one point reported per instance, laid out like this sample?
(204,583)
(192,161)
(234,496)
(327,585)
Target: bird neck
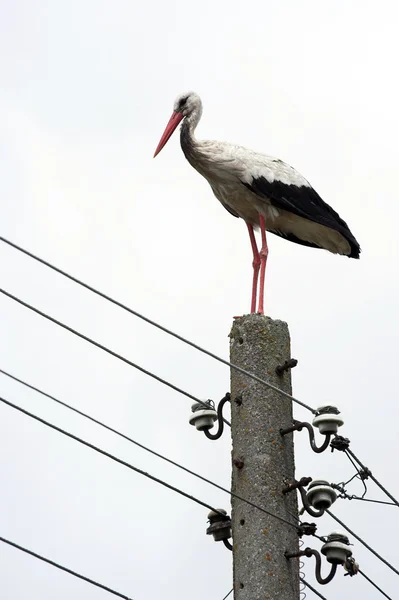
(187,137)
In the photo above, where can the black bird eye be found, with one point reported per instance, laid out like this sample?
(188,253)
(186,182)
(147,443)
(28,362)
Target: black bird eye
(183,102)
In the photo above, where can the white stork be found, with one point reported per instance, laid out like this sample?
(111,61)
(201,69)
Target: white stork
(264,191)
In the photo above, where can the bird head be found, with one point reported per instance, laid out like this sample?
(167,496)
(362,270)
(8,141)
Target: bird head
(185,106)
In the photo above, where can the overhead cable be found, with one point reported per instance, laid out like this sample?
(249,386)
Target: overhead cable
(313,589)
(342,444)
(348,497)
(105,349)
(157,325)
(369,474)
(358,474)
(70,571)
(340,487)
(362,542)
(108,455)
(374,584)
(129,439)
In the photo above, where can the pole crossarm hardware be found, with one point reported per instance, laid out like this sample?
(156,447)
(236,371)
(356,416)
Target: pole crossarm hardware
(326,420)
(204,417)
(319,496)
(336,550)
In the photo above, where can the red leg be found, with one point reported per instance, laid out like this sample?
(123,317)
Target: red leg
(255,264)
(264,251)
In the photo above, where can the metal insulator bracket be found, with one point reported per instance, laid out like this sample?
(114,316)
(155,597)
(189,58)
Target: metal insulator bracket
(204,418)
(319,496)
(298,426)
(336,550)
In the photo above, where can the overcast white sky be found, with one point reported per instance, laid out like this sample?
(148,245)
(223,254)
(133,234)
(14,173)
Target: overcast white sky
(87,88)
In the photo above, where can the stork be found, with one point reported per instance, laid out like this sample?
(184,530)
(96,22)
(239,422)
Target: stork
(264,191)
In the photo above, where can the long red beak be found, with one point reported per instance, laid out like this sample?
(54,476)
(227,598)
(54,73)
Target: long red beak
(170,127)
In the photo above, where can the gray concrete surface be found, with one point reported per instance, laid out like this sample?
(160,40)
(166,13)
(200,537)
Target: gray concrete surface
(260,570)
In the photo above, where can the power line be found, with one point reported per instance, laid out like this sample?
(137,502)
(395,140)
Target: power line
(363,473)
(369,474)
(105,349)
(157,454)
(362,542)
(358,474)
(312,588)
(54,564)
(374,584)
(111,456)
(353,476)
(340,487)
(184,340)
(370,500)
(155,324)
(227,595)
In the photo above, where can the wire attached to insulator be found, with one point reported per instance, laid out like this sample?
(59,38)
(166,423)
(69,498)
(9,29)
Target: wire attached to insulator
(381,558)
(342,444)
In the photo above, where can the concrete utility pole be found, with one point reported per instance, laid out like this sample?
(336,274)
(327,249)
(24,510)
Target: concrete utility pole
(263,463)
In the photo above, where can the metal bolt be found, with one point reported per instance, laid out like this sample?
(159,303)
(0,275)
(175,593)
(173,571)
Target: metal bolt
(286,366)
(303,482)
(238,399)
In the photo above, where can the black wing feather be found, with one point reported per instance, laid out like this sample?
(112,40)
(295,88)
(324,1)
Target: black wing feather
(304,202)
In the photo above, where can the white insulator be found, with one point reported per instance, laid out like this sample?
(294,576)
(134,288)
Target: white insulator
(320,494)
(336,549)
(202,418)
(327,421)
